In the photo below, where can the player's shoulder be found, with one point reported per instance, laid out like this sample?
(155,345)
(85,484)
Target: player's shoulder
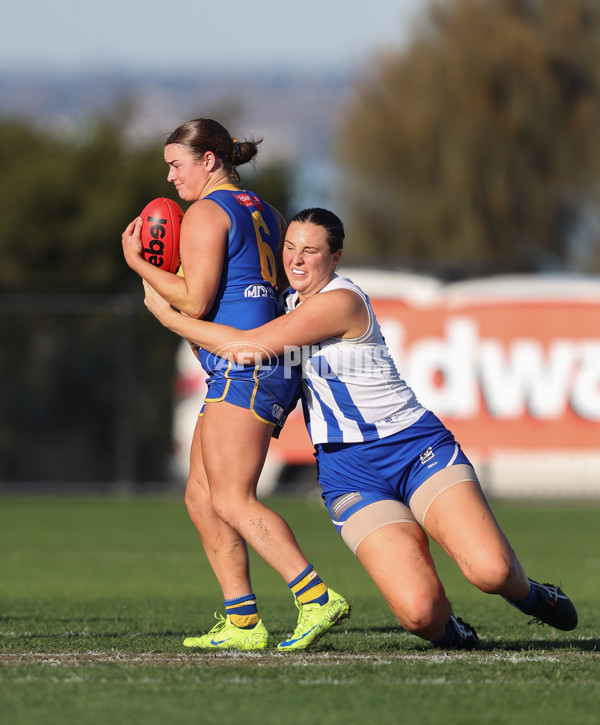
(343,283)
(277,215)
(204,211)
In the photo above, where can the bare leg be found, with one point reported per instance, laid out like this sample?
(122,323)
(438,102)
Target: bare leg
(406,576)
(225,548)
(234,447)
(462,523)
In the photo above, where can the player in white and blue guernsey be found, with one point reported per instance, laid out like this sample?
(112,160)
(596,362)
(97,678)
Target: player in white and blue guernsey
(353,393)
(391,473)
(352,389)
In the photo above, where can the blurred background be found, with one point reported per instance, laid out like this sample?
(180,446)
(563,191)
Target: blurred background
(460,142)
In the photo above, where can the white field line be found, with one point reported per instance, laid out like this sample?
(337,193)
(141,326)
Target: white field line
(58,659)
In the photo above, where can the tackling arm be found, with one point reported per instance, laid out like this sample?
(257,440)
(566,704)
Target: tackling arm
(339,313)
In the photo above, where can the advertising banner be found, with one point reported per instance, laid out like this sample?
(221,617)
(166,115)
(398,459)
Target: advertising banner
(513,369)
(511,365)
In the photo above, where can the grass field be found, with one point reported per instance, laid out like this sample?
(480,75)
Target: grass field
(96,595)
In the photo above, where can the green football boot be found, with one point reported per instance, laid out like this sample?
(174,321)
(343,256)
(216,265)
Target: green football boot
(314,621)
(225,635)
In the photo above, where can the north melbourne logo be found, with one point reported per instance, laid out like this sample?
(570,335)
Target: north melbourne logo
(427,455)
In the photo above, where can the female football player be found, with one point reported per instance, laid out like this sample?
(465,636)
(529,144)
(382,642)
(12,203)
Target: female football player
(390,471)
(229,245)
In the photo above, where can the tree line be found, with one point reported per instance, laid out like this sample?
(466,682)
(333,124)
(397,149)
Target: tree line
(475,149)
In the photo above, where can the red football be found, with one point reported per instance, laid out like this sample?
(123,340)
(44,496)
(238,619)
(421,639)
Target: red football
(161,226)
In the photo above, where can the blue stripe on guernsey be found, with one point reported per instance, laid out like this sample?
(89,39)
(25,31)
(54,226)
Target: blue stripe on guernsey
(344,401)
(365,399)
(334,432)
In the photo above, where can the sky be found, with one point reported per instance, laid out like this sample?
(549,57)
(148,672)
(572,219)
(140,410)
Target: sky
(186,35)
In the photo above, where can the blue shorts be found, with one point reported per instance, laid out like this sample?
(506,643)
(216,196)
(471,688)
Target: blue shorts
(270,392)
(354,475)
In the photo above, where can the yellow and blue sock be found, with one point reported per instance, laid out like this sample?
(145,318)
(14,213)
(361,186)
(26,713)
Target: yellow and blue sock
(308,587)
(242,611)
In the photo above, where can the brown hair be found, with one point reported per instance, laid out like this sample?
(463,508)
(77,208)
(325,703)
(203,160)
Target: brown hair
(328,220)
(204,134)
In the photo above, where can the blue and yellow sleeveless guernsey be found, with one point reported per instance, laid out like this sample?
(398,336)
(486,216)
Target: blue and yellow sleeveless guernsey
(246,295)
(246,299)
(352,391)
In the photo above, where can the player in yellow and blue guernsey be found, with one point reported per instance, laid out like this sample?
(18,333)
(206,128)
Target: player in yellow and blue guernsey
(247,295)
(229,248)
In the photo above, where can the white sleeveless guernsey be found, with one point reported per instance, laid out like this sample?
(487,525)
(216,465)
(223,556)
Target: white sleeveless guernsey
(351,389)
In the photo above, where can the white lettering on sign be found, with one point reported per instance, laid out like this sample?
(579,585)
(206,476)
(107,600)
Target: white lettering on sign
(585,395)
(454,374)
(525,377)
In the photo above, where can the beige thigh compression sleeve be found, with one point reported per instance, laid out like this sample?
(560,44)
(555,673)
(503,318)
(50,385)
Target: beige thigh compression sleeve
(426,494)
(373,517)
(381,513)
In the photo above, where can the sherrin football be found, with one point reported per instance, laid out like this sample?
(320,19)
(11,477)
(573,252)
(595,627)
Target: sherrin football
(161,226)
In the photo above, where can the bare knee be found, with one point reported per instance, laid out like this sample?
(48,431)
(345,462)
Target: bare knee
(493,576)
(231,508)
(197,498)
(223,509)
(423,616)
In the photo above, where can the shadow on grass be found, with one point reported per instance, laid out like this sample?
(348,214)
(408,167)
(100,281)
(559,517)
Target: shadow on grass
(583,645)
(109,633)
(588,644)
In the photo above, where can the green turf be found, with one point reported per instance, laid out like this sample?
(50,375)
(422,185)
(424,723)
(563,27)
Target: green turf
(96,595)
